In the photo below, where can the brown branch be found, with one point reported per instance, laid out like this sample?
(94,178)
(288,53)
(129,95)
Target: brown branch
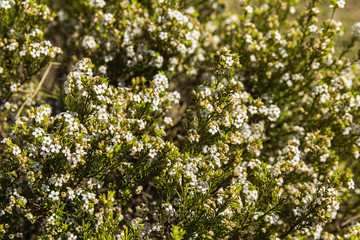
(347,222)
(38,87)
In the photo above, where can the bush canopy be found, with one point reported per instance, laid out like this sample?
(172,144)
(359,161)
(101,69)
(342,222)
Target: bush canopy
(178,119)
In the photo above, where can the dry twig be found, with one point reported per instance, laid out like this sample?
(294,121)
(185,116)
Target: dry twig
(38,87)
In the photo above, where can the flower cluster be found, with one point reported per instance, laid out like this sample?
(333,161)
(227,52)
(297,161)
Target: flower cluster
(23,52)
(127,36)
(113,119)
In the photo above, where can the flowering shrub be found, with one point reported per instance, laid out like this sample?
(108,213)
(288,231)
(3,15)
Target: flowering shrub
(177,120)
(23,50)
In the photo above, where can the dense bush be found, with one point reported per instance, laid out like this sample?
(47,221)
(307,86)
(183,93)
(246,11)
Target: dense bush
(176,119)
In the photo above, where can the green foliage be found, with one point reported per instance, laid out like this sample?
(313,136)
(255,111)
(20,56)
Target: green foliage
(177,120)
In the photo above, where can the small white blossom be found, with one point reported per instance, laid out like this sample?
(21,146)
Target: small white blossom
(168,120)
(292,10)
(97,3)
(163,35)
(338,4)
(54,195)
(89,42)
(72,237)
(213,129)
(351,184)
(6,4)
(13,87)
(102,69)
(248,9)
(313,28)
(38,132)
(152,153)
(356,29)
(108,18)
(16,150)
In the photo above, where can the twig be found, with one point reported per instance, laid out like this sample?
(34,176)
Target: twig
(347,222)
(38,87)
(300,222)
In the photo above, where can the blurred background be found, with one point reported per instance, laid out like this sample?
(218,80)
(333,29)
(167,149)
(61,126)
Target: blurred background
(348,16)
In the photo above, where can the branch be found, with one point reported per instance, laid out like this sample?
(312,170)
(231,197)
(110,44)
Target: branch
(347,222)
(38,87)
(299,222)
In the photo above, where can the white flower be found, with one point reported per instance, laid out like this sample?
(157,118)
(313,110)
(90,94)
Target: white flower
(229,61)
(190,10)
(54,195)
(108,18)
(151,28)
(12,46)
(71,194)
(72,237)
(347,78)
(55,148)
(163,35)
(248,9)
(22,53)
(97,3)
(213,129)
(339,4)
(313,28)
(159,61)
(315,65)
(51,219)
(168,120)
(315,10)
(275,34)
(273,113)
(253,58)
(38,132)
(356,29)
(239,118)
(351,184)
(252,196)
(6,4)
(16,150)
(89,42)
(168,208)
(160,80)
(13,87)
(335,24)
(62,15)
(36,32)
(129,136)
(253,109)
(317,233)
(178,16)
(292,10)
(152,153)
(102,69)
(47,141)
(324,157)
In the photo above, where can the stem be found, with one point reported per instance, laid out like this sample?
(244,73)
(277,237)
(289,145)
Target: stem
(38,87)
(348,47)
(294,226)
